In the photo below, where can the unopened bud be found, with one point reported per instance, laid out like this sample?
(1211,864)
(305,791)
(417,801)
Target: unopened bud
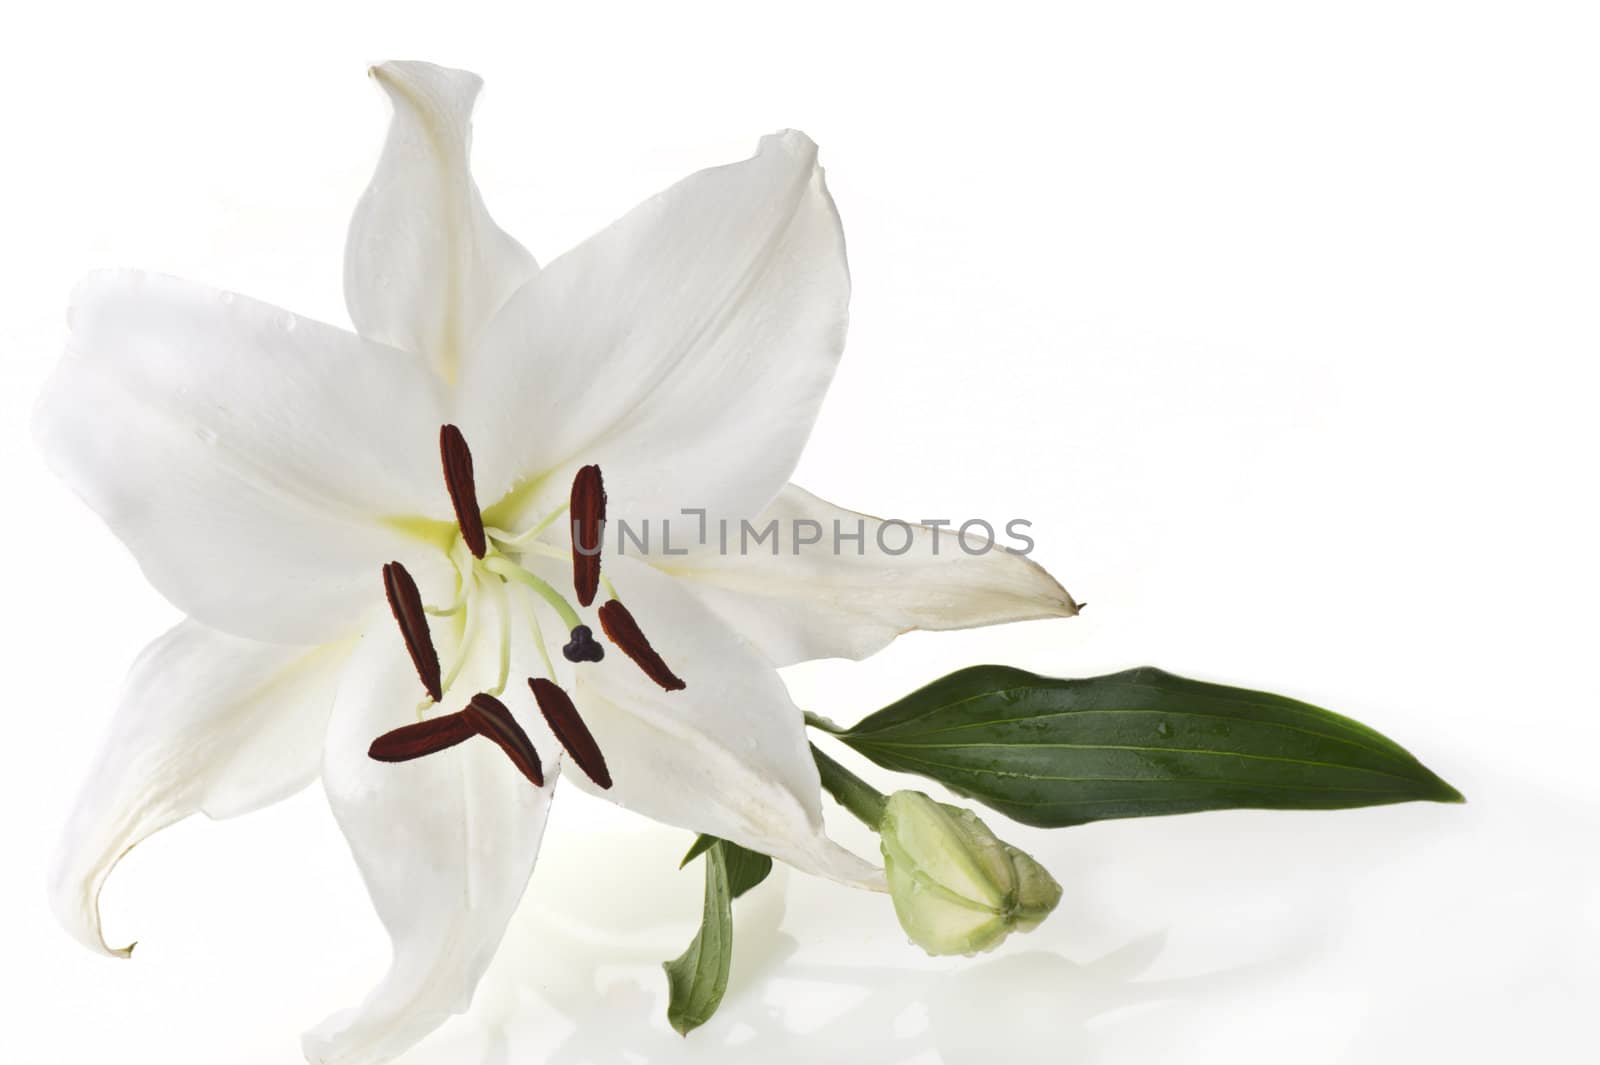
(957,887)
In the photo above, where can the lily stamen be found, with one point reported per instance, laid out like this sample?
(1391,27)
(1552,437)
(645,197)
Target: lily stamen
(621,628)
(562,717)
(483,716)
(410,742)
(526,605)
(503,608)
(458,480)
(462,569)
(517,541)
(405,602)
(463,651)
(588,531)
(493,720)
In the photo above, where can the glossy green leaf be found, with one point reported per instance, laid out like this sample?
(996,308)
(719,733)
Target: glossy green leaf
(746,868)
(1053,752)
(697,979)
(702,843)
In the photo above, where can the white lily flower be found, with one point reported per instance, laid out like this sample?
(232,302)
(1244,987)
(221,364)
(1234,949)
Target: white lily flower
(279,480)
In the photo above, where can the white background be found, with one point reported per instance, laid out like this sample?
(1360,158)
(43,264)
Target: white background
(1279,322)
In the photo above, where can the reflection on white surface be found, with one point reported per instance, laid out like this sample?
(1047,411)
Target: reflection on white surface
(1184,940)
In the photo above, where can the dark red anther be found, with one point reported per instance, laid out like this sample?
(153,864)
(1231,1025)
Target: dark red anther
(406,603)
(424,738)
(623,631)
(491,719)
(588,512)
(563,719)
(463,489)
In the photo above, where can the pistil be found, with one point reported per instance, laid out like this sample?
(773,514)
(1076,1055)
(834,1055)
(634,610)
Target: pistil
(582,647)
(502,566)
(485,715)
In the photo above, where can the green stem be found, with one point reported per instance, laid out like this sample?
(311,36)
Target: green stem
(817,721)
(501,566)
(853,793)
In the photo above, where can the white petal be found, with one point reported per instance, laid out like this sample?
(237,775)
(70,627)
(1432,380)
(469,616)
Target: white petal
(208,723)
(850,598)
(445,843)
(686,349)
(246,457)
(728,754)
(424,264)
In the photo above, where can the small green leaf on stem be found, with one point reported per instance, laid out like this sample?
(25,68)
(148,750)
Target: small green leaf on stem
(698,978)
(746,868)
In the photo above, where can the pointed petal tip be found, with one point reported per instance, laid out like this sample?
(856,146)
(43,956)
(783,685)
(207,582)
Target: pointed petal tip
(76,904)
(192,703)
(795,142)
(843,866)
(445,850)
(410,74)
(1052,594)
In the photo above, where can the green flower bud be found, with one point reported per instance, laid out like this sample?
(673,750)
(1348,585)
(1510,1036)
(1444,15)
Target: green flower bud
(957,887)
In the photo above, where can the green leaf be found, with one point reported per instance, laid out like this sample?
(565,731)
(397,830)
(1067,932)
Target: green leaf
(1053,752)
(702,843)
(698,978)
(746,868)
